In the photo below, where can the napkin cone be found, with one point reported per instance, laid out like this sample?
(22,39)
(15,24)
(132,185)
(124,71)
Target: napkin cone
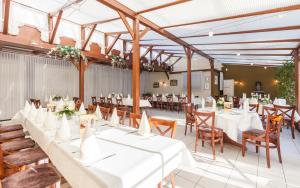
(63,132)
(60,105)
(50,122)
(246,106)
(27,108)
(81,109)
(114,120)
(202,103)
(40,117)
(214,103)
(144,128)
(89,149)
(33,112)
(98,113)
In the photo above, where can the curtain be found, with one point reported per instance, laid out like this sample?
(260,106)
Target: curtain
(24,76)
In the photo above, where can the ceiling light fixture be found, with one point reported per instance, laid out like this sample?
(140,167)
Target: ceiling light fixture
(238,54)
(252,64)
(210,33)
(265,67)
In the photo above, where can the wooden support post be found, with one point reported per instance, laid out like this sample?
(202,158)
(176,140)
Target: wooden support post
(81,80)
(6,7)
(297,77)
(136,67)
(212,77)
(189,73)
(53,32)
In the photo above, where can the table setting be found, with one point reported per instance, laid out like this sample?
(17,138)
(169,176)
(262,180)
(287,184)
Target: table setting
(93,155)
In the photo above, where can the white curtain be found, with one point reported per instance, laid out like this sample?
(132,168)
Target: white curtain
(24,76)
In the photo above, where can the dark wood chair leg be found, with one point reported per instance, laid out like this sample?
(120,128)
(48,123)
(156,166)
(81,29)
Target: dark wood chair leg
(185,129)
(243,147)
(279,152)
(196,142)
(257,147)
(268,154)
(213,148)
(293,130)
(172,177)
(222,144)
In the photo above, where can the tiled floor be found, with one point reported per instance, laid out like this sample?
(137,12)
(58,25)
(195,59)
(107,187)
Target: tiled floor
(230,169)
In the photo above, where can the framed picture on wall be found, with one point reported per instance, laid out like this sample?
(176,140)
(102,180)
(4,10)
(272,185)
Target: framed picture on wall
(173,82)
(155,84)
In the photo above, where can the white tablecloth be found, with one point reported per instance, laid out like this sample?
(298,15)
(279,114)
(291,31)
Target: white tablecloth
(233,123)
(136,162)
(129,102)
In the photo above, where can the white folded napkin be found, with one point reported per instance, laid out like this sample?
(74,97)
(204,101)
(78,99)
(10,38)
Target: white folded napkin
(114,119)
(109,95)
(81,109)
(71,105)
(128,97)
(50,121)
(50,99)
(101,95)
(60,105)
(41,116)
(63,133)
(33,112)
(268,96)
(193,96)
(144,128)
(89,149)
(46,99)
(246,106)
(214,103)
(275,101)
(98,113)
(202,103)
(27,108)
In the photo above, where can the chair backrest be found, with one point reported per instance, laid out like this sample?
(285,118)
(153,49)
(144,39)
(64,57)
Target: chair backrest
(159,99)
(288,112)
(102,100)
(75,99)
(205,119)
(273,127)
(77,104)
(169,99)
(169,124)
(236,102)
(189,108)
(92,108)
(254,107)
(267,111)
(122,115)
(109,100)
(134,120)
(105,112)
(119,102)
(94,100)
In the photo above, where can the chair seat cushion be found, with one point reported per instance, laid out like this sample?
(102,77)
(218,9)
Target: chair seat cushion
(8,128)
(38,176)
(254,132)
(11,135)
(25,157)
(208,130)
(16,145)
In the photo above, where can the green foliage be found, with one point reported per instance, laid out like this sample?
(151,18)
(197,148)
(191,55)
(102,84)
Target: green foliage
(67,53)
(69,113)
(286,81)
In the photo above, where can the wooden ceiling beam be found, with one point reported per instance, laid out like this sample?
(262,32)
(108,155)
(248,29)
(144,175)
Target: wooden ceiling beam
(147,51)
(251,42)
(6,9)
(123,18)
(89,37)
(53,32)
(296,27)
(163,6)
(158,55)
(101,22)
(109,48)
(113,4)
(176,61)
(257,13)
(234,59)
(169,57)
(144,32)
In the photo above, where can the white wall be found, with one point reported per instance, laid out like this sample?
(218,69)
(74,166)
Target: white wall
(161,77)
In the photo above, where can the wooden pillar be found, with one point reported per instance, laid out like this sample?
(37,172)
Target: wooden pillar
(189,73)
(81,70)
(212,77)
(5,12)
(136,67)
(297,78)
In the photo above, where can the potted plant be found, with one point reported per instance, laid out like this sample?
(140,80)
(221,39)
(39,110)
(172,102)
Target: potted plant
(68,53)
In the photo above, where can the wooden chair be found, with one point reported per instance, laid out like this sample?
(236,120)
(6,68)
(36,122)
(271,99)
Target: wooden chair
(134,120)
(253,107)
(119,102)
(109,103)
(20,160)
(236,102)
(16,145)
(159,102)
(269,136)
(171,128)
(92,108)
(9,128)
(77,104)
(267,111)
(181,103)
(189,117)
(206,130)
(94,100)
(288,113)
(105,112)
(122,115)
(159,123)
(75,99)
(170,103)
(102,101)
(38,176)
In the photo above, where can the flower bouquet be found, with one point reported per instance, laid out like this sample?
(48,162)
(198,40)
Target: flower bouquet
(67,111)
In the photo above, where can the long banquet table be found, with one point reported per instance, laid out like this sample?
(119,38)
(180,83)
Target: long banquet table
(129,160)
(129,102)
